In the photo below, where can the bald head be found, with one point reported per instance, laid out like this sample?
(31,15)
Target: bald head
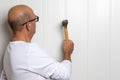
(18,15)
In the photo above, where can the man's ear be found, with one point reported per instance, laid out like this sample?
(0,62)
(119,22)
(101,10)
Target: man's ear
(28,27)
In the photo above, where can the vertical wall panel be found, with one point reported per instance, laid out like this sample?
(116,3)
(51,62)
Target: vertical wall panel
(98,40)
(54,13)
(91,41)
(115,40)
(77,16)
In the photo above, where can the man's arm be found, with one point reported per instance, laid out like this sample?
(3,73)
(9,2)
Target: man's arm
(63,70)
(50,68)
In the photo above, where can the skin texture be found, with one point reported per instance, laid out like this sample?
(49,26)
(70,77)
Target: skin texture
(20,14)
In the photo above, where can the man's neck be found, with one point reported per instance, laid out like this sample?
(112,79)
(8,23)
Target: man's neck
(20,37)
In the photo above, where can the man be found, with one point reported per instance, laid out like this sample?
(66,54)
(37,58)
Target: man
(24,60)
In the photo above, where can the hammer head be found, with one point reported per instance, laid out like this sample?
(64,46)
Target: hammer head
(64,23)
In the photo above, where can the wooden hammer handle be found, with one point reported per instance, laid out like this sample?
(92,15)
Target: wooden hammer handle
(66,34)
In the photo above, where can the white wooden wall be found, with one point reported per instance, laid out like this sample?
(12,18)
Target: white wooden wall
(94,26)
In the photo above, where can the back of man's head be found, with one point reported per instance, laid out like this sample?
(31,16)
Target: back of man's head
(17,15)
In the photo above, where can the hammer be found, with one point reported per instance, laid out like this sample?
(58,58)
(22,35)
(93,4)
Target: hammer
(64,24)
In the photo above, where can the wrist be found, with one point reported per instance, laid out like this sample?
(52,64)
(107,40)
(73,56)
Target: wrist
(67,56)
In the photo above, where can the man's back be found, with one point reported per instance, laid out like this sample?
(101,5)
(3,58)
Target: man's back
(15,62)
(26,61)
